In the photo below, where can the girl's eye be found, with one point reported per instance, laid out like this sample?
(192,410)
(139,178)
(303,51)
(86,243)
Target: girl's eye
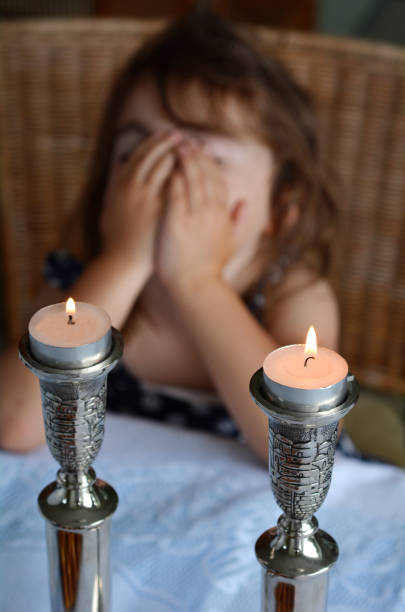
(218,160)
(123,157)
(126,145)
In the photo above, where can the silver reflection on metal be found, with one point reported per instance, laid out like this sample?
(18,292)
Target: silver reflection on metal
(77,506)
(70,358)
(307,400)
(295,555)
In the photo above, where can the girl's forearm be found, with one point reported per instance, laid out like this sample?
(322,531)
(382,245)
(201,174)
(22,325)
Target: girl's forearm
(233,346)
(21,427)
(112,283)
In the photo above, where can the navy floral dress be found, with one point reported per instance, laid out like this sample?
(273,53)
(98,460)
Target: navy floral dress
(129,395)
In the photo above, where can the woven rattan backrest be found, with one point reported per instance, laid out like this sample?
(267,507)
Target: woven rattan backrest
(54,76)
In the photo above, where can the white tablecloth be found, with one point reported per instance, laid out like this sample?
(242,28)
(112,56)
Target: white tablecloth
(191,508)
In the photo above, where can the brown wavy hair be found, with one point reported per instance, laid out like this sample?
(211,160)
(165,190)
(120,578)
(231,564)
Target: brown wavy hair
(205,48)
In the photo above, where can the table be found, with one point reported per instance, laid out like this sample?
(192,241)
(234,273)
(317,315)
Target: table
(191,508)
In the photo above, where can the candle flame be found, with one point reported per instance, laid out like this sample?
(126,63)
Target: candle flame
(70,306)
(311,343)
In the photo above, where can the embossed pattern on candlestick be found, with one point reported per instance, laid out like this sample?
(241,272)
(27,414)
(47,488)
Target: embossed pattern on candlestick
(74,421)
(301,460)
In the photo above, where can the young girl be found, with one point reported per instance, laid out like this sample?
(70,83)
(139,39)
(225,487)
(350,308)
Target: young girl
(206,221)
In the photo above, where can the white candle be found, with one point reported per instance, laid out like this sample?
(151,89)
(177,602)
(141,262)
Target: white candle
(73,337)
(305,375)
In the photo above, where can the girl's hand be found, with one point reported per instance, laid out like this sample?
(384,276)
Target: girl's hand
(133,200)
(196,237)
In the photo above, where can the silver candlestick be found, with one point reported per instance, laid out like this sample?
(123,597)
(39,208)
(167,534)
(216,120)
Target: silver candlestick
(77,506)
(295,556)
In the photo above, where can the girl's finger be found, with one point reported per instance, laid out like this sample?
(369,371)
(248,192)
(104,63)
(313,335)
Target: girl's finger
(214,182)
(209,182)
(177,193)
(238,210)
(149,152)
(160,172)
(194,179)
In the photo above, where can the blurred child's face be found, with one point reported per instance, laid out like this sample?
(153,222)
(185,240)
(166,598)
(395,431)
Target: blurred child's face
(246,163)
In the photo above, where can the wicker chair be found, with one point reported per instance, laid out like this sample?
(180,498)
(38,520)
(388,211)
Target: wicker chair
(54,76)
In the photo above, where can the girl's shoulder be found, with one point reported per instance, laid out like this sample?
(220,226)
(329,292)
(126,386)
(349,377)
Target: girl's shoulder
(302,298)
(299,281)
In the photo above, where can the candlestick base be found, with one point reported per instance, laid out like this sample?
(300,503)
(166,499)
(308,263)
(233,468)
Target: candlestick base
(77,510)
(77,501)
(296,557)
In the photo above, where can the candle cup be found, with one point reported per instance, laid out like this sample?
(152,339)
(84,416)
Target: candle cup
(77,506)
(83,342)
(295,555)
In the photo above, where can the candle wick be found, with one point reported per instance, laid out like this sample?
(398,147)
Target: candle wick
(70,320)
(307,359)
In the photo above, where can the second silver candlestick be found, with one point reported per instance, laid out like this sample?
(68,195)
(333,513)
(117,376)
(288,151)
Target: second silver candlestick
(295,555)
(77,506)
